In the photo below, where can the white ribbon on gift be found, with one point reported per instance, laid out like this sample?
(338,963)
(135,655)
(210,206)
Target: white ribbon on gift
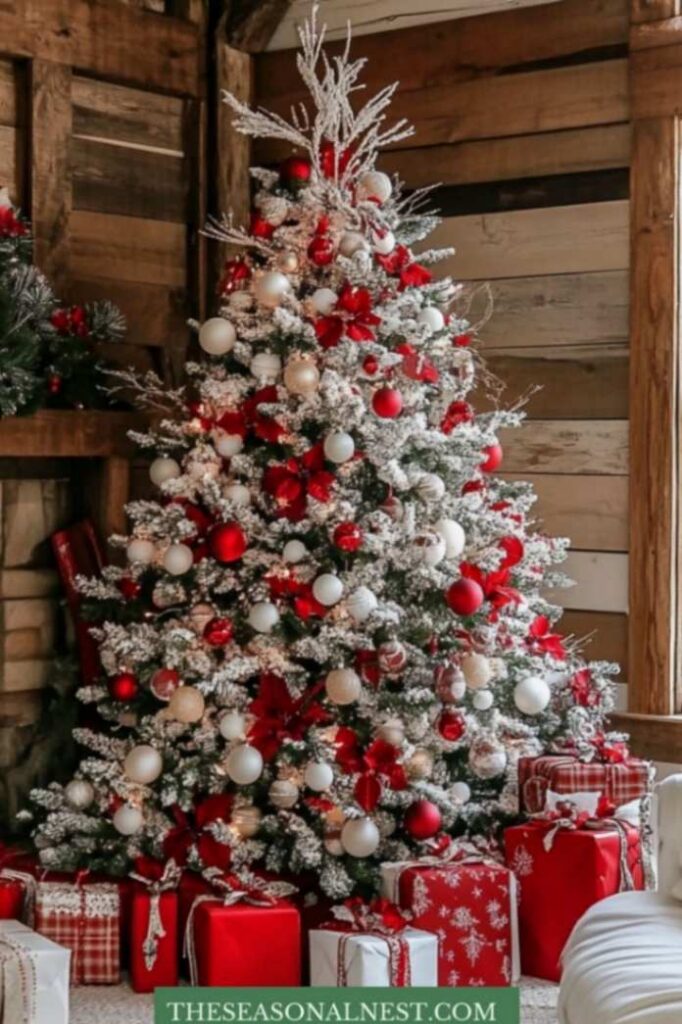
(18,982)
(155,930)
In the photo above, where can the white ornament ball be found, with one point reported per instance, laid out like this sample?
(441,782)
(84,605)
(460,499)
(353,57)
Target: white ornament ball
(351,243)
(238,494)
(283,794)
(328,589)
(294,551)
(266,366)
(128,820)
(360,837)
(453,535)
(142,551)
(318,776)
(226,444)
(79,794)
(374,185)
(271,288)
(432,317)
(392,731)
(186,704)
(301,376)
(477,670)
(361,603)
(232,725)
(428,549)
(483,700)
(244,764)
(384,244)
(263,616)
(143,764)
(323,301)
(532,695)
(178,559)
(460,792)
(217,336)
(431,487)
(288,262)
(343,686)
(339,447)
(163,469)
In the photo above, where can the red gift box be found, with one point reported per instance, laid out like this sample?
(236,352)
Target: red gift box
(85,918)
(620,782)
(154,950)
(562,872)
(12,899)
(243,935)
(471,907)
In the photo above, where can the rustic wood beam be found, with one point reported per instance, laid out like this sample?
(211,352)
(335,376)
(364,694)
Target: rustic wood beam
(250,24)
(658,737)
(653,10)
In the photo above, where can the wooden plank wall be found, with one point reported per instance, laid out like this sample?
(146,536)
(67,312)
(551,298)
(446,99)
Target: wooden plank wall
(523,116)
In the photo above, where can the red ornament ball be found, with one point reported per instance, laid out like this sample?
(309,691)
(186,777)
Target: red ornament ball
(451,726)
(321,250)
(370,365)
(227,542)
(465,596)
(54,383)
(218,632)
(423,820)
(164,682)
(493,458)
(294,171)
(124,687)
(348,537)
(129,588)
(387,403)
(260,227)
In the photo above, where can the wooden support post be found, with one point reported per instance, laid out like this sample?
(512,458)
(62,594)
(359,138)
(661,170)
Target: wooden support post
(50,144)
(112,494)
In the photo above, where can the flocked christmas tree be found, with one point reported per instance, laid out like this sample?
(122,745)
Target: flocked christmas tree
(330,643)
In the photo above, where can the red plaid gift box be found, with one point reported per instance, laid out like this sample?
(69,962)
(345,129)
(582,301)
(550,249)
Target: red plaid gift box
(83,917)
(620,782)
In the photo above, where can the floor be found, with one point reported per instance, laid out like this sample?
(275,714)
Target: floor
(118,1005)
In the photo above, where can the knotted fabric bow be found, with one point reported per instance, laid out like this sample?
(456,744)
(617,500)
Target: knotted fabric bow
(381,919)
(231,889)
(157,878)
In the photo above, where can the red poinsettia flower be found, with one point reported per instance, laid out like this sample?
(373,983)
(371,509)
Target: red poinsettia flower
(416,366)
(353,318)
(399,262)
(71,322)
(279,716)
(541,641)
(10,225)
(456,413)
(192,831)
(376,766)
(291,482)
(264,427)
(494,584)
(583,692)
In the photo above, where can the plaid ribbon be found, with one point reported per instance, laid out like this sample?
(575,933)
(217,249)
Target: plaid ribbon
(230,890)
(18,985)
(567,819)
(155,930)
(620,782)
(379,919)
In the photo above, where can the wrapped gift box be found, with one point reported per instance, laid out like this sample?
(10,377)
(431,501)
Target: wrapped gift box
(619,782)
(85,918)
(559,880)
(360,960)
(34,977)
(154,951)
(242,944)
(471,908)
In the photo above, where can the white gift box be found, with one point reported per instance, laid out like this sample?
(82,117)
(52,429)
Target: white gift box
(367,958)
(34,977)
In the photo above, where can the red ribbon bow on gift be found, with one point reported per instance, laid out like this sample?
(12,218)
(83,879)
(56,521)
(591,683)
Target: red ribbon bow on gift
(375,765)
(353,318)
(382,919)
(400,262)
(291,482)
(193,830)
(281,716)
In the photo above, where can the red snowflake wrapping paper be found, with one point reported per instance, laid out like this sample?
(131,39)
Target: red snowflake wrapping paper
(471,908)
(558,884)
(85,918)
(620,782)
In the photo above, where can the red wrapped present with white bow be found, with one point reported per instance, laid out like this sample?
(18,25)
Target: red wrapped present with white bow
(612,774)
(84,917)
(154,950)
(243,932)
(372,945)
(466,896)
(565,862)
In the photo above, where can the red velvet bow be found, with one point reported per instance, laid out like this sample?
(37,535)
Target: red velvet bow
(280,716)
(376,765)
(10,225)
(399,262)
(541,641)
(191,830)
(353,318)
(291,482)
